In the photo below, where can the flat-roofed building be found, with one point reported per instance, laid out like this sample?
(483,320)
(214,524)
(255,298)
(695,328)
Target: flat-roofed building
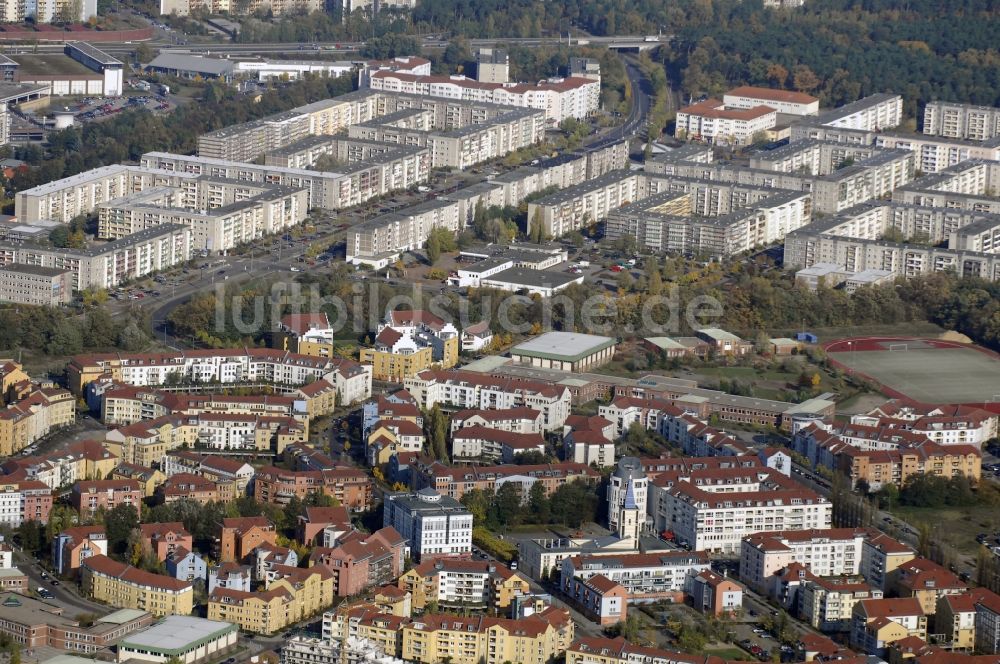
(34,284)
(967,121)
(533,282)
(186,638)
(94,58)
(109,264)
(434,525)
(32,623)
(571,351)
(873,113)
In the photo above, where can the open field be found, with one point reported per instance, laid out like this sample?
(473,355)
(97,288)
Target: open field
(958,526)
(924,370)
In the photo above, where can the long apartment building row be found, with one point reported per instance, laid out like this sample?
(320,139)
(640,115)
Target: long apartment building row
(874,176)
(81,460)
(932,152)
(378,241)
(359,181)
(249,140)
(434,637)
(476,138)
(853,241)
(560,98)
(885,455)
(667,221)
(225,366)
(127,587)
(124,404)
(457,133)
(107,265)
(147,441)
(222,214)
(825,552)
(342,149)
(455,482)
(62,200)
(970,185)
(467,389)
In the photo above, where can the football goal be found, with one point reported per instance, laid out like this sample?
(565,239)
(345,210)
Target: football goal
(898,347)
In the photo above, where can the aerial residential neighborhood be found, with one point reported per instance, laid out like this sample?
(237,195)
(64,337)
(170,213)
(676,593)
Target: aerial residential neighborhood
(437,332)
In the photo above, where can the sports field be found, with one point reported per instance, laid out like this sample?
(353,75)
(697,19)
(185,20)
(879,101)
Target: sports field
(925,370)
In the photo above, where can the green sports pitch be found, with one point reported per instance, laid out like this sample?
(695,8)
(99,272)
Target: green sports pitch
(923,371)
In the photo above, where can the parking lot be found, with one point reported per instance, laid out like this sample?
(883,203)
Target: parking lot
(100,108)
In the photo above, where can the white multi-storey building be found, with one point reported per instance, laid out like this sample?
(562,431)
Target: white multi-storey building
(467,389)
(783,101)
(873,113)
(432,524)
(713,510)
(560,98)
(233,365)
(712,122)
(62,200)
(830,552)
(627,479)
(951,120)
(646,577)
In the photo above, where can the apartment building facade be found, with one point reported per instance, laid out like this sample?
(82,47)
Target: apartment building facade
(714,510)
(121,585)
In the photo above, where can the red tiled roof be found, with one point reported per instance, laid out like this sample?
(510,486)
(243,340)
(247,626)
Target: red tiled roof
(772,94)
(302,323)
(113,568)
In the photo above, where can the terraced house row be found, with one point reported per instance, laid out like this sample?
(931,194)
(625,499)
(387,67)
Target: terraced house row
(227,366)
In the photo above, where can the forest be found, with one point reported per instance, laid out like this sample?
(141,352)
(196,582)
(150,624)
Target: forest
(838,50)
(752,299)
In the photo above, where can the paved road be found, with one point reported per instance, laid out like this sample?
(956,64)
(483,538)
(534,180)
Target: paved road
(65,594)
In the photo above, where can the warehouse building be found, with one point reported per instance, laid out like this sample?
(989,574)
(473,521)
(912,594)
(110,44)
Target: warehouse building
(189,639)
(568,351)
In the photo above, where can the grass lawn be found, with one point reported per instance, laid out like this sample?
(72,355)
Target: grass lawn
(958,526)
(728,653)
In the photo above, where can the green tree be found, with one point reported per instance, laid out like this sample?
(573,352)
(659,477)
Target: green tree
(433,249)
(30,533)
(536,233)
(119,522)
(508,504)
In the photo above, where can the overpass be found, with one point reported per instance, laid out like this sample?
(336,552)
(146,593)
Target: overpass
(620,43)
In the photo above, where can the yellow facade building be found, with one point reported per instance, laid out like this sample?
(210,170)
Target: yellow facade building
(295,595)
(475,584)
(37,414)
(388,364)
(537,639)
(11,373)
(126,587)
(409,342)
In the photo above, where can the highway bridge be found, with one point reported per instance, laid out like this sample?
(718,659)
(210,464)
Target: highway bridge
(621,43)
